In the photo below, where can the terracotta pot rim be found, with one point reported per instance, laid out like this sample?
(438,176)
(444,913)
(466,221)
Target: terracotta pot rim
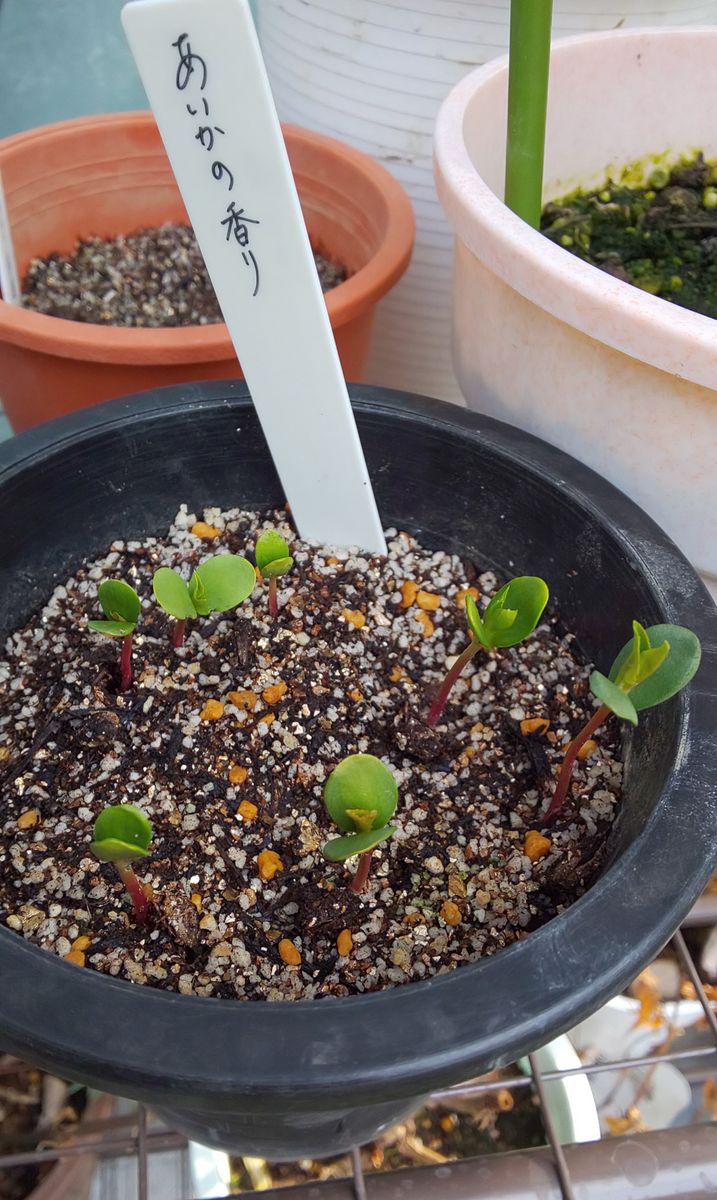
(646,327)
(210,343)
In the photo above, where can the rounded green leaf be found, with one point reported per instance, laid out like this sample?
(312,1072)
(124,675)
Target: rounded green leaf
(675,671)
(278,567)
(114,851)
(271,551)
(610,694)
(121,833)
(119,601)
(112,628)
(526,596)
(360,782)
(172,593)
(221,583)
(341,848)
(502,619)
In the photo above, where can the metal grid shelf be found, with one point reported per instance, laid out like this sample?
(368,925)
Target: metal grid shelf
(679,1162)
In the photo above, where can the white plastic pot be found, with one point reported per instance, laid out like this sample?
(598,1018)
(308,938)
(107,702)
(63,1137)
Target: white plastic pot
(623,380)
(614,1032)
(570,1099)
(374,73)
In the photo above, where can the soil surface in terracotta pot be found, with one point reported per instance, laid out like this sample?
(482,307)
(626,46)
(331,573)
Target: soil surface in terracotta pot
(660,236)
(226,745)
(153,278)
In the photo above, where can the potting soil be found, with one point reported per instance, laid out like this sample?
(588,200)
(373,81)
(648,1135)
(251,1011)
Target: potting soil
(226,745)
(149,279)
(661,237)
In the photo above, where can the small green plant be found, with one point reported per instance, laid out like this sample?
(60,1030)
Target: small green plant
(655,664)
(122,834)
(121,606)
(220,583)
(509,618)
(360,797)
(273,559)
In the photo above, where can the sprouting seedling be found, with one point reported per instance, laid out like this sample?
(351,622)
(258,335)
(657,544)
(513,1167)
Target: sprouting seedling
(220,583)
(121,606)
(655,664)
(509,618)
(273,559)
(360,796)
(122,833)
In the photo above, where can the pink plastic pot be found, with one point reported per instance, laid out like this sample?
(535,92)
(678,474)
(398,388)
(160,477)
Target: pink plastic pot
(625,381)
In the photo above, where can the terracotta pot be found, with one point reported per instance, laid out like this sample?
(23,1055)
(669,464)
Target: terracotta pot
(109,174)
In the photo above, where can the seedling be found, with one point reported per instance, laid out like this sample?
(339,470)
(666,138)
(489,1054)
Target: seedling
(220,583)
(509,618)
(121,605)
(360,796)
(273,559)
(122,834)
(655,664)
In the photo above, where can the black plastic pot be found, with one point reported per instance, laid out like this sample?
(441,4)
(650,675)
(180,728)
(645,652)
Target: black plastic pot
(283,1080)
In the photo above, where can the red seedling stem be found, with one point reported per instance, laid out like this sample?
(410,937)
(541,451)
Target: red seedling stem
(360,879)
(178,634)
(273,602)
(440,701)
(140,902)
(125,682)
(571,754)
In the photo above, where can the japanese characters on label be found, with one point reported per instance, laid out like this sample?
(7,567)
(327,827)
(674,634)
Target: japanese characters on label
(192,78)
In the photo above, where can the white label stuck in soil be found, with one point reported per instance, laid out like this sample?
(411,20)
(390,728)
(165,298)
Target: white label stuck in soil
(9,282)
(202,69)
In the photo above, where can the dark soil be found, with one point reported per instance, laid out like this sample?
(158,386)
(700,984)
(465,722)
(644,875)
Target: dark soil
(226,745)
(661,238)
(149,279)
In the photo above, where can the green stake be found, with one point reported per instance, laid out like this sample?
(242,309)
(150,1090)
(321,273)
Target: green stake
(530,22)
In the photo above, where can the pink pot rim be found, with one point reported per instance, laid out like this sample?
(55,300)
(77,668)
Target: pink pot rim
(648,328)
(211,343)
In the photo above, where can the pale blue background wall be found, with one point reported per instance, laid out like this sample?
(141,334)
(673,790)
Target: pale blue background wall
(63,58)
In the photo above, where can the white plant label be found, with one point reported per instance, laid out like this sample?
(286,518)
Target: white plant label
(9,282)
(203,72)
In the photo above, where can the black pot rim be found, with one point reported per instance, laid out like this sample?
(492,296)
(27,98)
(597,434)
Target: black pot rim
(204,1051)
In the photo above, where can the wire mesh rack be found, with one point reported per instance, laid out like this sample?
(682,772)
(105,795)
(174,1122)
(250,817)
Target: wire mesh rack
(659,1165)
